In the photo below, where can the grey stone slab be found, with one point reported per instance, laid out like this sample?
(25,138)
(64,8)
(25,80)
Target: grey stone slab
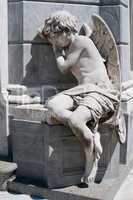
(128,147)
(94,192)
(3,78)
(37,145)
(34,64)
(124,55)
(105,2)
(4,195)
(6,171)
(30,112)
(15,21)
(40,67)
(131,32)
(125,2)
(15,66)
(31,150)
(117,18)
(36,12)
(70,1)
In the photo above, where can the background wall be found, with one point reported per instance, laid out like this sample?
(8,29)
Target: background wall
(31,60)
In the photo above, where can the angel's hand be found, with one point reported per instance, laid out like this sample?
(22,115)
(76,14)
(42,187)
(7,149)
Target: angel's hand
(57,51)
(60,61)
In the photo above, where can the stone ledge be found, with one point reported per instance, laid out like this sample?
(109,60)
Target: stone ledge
(102,191)
(31,112)
(6,171)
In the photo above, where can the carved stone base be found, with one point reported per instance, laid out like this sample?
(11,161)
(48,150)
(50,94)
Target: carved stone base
(52,155)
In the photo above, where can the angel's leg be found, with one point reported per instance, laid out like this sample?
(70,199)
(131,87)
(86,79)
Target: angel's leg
(77,123)
(59,108)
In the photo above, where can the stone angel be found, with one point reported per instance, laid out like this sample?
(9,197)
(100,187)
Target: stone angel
(91,56)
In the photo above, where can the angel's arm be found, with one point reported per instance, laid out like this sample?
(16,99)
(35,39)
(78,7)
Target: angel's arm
(65,64)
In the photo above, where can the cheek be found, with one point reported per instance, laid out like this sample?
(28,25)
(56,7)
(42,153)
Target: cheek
(62,40)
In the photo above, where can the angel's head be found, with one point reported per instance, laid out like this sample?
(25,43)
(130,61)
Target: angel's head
(59,27)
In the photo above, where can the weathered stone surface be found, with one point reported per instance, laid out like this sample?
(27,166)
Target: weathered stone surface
(94,192)
(9,196)
(117,17)
(38,69)
(125,2)
(37,145)
(4,126)
(33,21)
(15,67)
(35,65)
(3,78)
(124,55)
(6,170)
(15,21)
(31,112)
(70,1)
(126,150)
(114,2)
(13,0)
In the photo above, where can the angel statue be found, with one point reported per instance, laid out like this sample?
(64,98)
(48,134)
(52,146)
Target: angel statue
(91,56)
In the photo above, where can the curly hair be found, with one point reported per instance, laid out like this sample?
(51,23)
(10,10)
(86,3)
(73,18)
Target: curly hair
(60,21)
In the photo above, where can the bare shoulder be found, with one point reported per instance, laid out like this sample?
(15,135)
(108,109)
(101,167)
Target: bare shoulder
(83,41)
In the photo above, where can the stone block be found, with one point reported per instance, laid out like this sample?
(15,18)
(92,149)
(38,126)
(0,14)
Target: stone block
(35,13)
(126,150)
(15,22)
(13,0)
(53,149)
(114,2)
(15,66)
(40,67)
(34,64)
(3,127)
(125,66)
(72,1)
(6,170)
(105,2)
(117,18)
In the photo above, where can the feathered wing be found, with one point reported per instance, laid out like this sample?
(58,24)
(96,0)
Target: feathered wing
(104,40)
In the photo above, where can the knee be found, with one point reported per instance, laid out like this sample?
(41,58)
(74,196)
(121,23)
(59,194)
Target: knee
(51,104)
(55,107)
(75,122)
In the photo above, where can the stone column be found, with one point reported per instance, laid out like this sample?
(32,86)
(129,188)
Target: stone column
(3,78)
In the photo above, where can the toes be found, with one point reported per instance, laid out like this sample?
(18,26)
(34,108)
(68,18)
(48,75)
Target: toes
(87,180)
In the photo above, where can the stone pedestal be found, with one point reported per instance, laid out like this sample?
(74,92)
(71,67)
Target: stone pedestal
(52,155)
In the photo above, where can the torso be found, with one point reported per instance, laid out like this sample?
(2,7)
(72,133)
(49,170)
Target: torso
(90,67)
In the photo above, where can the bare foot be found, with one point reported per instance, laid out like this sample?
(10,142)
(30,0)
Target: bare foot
(97,145)
(89,178)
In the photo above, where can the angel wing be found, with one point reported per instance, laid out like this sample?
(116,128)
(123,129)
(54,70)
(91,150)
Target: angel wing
(104,40)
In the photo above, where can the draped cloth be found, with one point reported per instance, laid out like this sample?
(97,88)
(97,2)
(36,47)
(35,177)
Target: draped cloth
(99,101)
(103,103)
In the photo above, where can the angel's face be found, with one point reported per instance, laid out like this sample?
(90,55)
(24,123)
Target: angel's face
(60,39)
